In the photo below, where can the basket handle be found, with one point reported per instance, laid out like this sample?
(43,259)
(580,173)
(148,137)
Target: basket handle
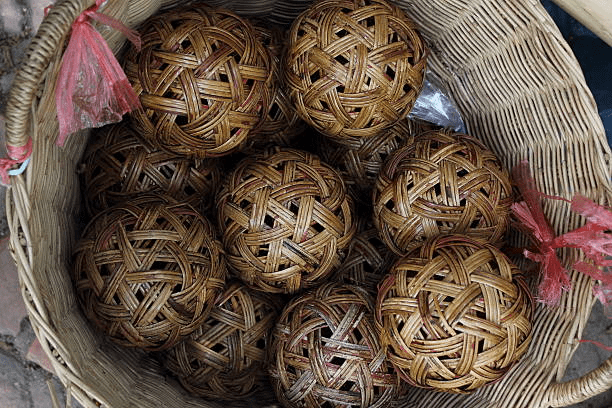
(582,388)
(37,58)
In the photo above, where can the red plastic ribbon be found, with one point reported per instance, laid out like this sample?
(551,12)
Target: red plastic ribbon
(92,89)
(17,155)
(594,239)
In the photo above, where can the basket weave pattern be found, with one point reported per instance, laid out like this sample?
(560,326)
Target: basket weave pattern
(147,272)
(520,90)
(225,357)
(326,352)
(453,315)
(118,164)
(286,220)
(354,68)
(442,183)
(203,85)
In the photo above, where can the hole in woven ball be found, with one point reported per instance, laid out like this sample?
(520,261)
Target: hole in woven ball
(261,344)
(346,10)
(337,361)
(274,111)
(218,348)
(119,156)
(315,76)
(390,73)
(438,189)
(484,192)
(158,266)
(389,205)
(326,332)
(342,33)
(237,57)
(293,208)
(244,204)
(318,227)
(358,336)
(181,120)
(347,386)
(250,82)
(305,352)
(269,221)
(223,78)
(368,268)
(340,58)
(189,190)
(185,44)
(475,223)
(262,250)
(462,173)
(406,88)
(301,32)
(370,21)
(340,89)
(324,105)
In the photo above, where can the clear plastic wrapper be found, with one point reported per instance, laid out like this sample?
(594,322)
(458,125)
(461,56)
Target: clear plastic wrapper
(435,105)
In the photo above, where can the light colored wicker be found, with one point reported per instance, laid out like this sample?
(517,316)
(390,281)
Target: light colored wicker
(119,164)
(454,314)
(519,89)
(326,352)
(203,81)
(286,220)
(444,182)
(354,67)
(147,272)
(225,358)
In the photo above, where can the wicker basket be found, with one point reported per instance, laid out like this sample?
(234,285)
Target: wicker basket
(520,91)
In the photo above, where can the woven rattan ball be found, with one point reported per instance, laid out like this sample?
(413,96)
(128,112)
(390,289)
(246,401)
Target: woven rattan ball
(119,164)
(148,271)
(368,261)
(354,67)
(453,314)
(225,358)
(286,220)
(203,81)
(282,123)
(444,182)
(359,160)
(326,352)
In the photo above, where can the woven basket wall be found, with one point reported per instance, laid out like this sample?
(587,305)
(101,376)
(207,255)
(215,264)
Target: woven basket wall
(520,91)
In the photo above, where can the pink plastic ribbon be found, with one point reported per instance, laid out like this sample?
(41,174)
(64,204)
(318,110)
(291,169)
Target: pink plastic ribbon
(92,89)
(594,239)
(16,155)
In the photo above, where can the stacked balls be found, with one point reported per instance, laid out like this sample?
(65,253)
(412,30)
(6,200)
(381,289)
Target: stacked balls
(372,264)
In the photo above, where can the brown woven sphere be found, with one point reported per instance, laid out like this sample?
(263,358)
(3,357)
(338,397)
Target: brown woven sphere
(442,183)
(203,80)
(326,353)
(282,123)
(452,314)
(118,164)
(225,357)
(359,160)
(286,220)
(354,67)
(148,271)
(367,262)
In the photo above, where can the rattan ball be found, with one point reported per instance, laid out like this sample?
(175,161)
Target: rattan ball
(282,123)
(359,160)
(444,182)
(367,262)
(225,358)
(326,352)
(354,67)
(147,272)
(286,220)
(203,80)
(118,164)
(454,315)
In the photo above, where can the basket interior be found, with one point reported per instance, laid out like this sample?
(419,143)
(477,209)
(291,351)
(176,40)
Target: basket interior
(519,90)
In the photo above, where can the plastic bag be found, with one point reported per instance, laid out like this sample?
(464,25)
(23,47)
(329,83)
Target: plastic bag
(435,105)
